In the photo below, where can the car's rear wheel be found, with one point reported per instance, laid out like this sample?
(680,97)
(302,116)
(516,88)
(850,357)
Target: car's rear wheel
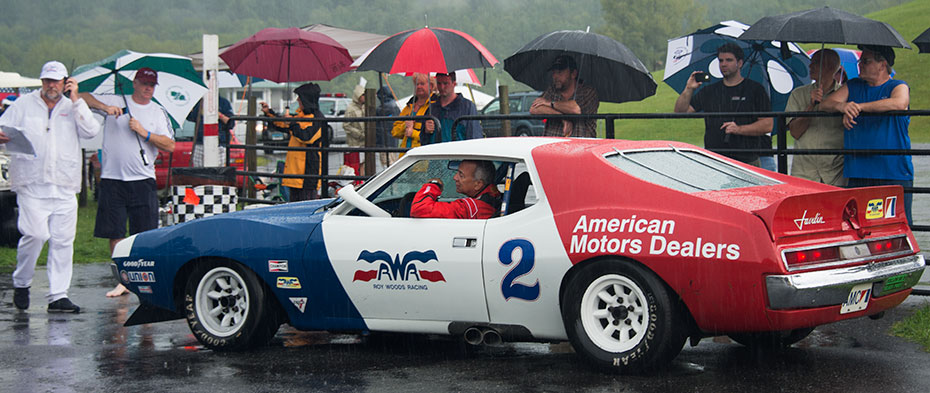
(523,131)
(772,340)
(227,308)
(620,316)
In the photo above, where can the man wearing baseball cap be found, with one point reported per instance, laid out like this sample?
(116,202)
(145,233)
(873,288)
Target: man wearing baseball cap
(567,95)
(127,178)
(875,91)
(46,181)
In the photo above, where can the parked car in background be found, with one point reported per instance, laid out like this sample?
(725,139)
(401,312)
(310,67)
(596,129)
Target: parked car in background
(520,103)
(331,104)
(9,234)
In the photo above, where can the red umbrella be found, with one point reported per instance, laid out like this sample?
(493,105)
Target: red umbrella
(426,50)
(286,55)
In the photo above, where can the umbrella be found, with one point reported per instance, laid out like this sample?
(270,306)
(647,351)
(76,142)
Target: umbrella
(179,86)
(779,68)
(827,26)
(288,55)
(603,63)
(849,59)
(430,49)
(923,41)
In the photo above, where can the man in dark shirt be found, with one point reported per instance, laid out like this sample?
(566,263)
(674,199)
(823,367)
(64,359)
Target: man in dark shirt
(567,95)
(733,94)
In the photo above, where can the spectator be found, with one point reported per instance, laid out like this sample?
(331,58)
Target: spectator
(733,94)
(449,107)
(818,132)
(567,95)
(127,181)
(388,107)
(408,131)
(45,183)
(355,131)
(7,101)
(302,134)
(225,126)
(474,179)
(875,91)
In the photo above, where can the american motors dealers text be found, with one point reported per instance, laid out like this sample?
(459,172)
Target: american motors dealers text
(598,235)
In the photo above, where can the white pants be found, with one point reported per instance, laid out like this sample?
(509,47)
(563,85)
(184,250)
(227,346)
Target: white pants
(40,220)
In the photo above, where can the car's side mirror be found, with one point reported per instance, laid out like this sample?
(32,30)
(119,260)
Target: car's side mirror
(349,195)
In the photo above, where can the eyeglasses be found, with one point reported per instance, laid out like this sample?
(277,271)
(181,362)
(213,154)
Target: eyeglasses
(867,61)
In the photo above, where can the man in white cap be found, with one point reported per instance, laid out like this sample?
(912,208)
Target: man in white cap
(135,130)
(45,182)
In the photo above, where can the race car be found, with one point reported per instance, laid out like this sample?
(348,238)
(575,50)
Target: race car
(624,248)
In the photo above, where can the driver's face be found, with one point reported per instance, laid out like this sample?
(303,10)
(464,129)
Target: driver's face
(465,182)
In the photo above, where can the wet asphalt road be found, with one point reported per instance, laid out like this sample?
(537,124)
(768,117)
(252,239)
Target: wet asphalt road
(92,351)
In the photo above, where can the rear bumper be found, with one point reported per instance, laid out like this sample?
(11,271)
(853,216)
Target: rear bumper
(832,287)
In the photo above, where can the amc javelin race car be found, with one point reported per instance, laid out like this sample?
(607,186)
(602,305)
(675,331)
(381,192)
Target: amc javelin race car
(625,248)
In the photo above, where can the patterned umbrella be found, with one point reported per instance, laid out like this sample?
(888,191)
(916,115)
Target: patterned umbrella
(179,86)
(780,70)
(426,50)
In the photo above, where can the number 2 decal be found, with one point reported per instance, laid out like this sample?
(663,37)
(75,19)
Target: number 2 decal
(521,267)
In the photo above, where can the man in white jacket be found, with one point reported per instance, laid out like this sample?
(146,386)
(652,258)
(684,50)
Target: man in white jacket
(45,182)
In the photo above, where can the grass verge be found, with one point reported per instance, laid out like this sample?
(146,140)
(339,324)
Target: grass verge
(915,327)
(87,248)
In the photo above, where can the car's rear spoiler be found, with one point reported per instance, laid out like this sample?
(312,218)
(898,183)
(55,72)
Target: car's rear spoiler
(835,211)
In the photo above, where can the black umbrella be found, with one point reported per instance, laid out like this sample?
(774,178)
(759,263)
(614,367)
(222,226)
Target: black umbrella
(827,26)
(923,41)
(603,63)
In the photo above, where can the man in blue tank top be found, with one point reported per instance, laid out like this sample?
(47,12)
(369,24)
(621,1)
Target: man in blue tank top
(875,91)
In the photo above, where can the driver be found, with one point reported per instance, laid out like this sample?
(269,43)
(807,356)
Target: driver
(475,179)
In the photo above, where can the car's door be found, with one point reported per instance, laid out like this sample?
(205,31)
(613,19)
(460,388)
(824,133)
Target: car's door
(397,268)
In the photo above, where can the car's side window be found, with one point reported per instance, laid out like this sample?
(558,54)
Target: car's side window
(493,108)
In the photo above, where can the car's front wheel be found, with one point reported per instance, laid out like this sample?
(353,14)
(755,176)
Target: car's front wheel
(227,309)
(620,316)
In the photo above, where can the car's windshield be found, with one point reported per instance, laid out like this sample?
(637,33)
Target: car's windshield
(686,170)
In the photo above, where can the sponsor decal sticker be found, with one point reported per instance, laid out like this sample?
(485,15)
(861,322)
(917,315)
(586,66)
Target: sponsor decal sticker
(628,236)
(124,277)
(277,266)
(288,282)
(805,220)
(875,209)
(398,273)
(890,204)
(139,263)
(299,302)
(145,289)
(141,277)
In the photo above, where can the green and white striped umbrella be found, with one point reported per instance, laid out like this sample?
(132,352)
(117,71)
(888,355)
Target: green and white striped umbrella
(179,85)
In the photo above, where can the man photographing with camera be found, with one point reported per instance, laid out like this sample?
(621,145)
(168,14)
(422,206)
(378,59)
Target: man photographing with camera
(127,181)
(45,182)
(733,94)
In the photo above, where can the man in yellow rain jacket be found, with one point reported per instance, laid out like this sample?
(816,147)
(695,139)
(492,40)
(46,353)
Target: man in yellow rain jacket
(409,131)
(302,134)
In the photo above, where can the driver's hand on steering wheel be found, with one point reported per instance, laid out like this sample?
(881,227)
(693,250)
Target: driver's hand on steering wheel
(436,181)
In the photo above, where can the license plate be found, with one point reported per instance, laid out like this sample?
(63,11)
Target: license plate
(858,298)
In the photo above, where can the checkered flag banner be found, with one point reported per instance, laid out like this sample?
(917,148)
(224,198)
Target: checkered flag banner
(192,202)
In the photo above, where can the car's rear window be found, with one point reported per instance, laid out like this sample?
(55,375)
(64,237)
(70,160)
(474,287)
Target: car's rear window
(685,170)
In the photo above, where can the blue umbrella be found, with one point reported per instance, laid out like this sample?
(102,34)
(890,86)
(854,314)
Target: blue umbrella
(779,69)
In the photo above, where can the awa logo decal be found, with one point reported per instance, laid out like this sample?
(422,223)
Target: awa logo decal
(288,283)
(396,271)
(875,209)
(299,302)
(805,220)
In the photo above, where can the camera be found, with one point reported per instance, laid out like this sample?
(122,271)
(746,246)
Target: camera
(701,77)
(67,92)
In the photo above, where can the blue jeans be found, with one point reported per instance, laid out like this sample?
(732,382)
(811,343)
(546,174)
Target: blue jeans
(908,197)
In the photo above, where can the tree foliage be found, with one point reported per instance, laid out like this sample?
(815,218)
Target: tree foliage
(645,26)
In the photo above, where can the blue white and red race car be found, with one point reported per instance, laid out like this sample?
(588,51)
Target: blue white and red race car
(625,248)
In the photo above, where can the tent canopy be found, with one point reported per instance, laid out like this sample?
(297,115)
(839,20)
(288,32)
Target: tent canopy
(12,80)
(357,42)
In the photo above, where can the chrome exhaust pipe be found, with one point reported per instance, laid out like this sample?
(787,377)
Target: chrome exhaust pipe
(492,337)
(474,336)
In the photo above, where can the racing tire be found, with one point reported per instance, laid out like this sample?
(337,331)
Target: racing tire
(227,308)
(771,340)
(649,330)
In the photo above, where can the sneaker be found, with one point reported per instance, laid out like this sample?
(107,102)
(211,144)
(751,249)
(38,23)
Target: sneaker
(63,305)
(21,298)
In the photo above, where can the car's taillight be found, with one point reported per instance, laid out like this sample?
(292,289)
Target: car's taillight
(797,259)
(888,246)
